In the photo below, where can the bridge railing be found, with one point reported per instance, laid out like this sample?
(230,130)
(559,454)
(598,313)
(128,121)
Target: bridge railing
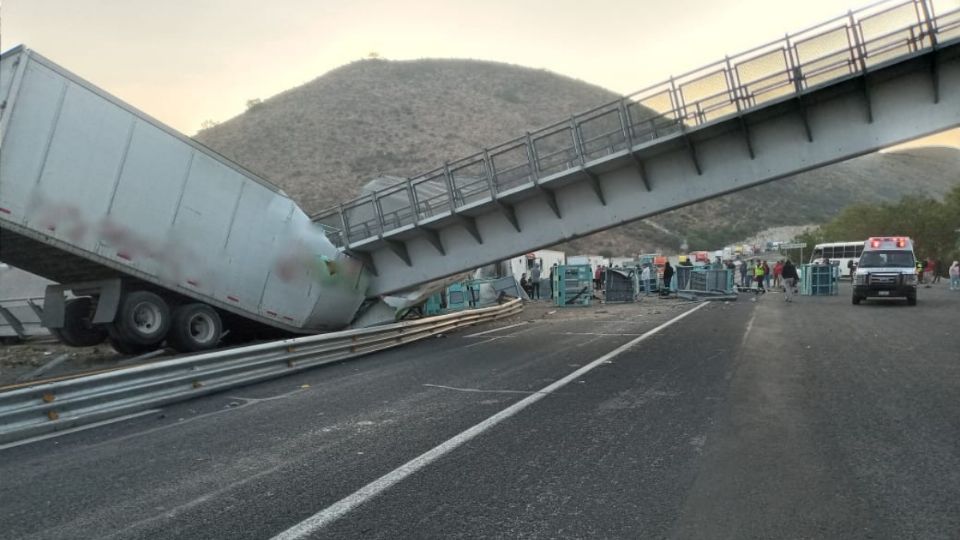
(843,47)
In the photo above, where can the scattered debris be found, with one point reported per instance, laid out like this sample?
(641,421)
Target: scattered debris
(35,374)
(704,296)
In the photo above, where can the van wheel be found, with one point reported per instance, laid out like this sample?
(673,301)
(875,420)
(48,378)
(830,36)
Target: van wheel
(911,300)
(143,319)
(77,329)
(195,327)
(856,300)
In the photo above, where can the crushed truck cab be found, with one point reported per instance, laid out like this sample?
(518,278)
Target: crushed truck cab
(886,269)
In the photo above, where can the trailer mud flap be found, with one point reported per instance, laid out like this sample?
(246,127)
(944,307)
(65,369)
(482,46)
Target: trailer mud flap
(107,292)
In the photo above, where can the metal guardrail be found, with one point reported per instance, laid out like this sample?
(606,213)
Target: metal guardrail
(50,407)
(844,47)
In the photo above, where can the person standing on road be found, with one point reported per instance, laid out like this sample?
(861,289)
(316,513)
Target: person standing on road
(766,274)
(667,276)
(645,279)
(929,270)
(955,276)
(790,278)
(777,272)
(535,282)
(553,269)
(758,276)
(744,268)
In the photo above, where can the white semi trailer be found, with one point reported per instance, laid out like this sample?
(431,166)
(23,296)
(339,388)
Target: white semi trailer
(158,238)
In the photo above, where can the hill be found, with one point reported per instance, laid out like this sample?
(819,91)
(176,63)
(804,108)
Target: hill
(323,140)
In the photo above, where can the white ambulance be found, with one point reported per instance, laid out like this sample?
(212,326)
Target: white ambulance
(886,269)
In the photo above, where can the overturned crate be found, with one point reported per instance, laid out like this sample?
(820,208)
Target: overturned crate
(819,280)
(695,283)
(621,285)
(573,285)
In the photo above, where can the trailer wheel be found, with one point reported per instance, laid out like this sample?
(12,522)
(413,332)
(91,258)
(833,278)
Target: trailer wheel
(195,327)
(911,300)
(143,319)
(77,329)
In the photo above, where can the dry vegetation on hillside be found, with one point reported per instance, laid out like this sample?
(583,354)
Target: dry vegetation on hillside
(323,140)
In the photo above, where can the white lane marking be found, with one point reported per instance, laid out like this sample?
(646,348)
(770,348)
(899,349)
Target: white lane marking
(488,340)
(747,332)
(481,390)
(496,329)
(338,509)
(78,428)
(589,334)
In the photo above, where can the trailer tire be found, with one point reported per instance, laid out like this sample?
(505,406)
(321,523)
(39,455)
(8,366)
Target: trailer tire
(77,330)
(195,327)
(143,319)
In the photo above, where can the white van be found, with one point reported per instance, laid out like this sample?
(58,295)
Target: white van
(886,269)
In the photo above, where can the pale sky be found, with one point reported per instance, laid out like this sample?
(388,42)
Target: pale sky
(186,61)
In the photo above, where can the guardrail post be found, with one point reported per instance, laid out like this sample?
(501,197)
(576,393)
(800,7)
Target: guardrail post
(490,174)
(733,87)
(577,139)
(793,66)
(346,229)
(532,158)
(682,109)
(624,115)
(378,211)
(861,58)
(931,25)
(414,204)
(679,110)
(932,32)
(448,179)
(796,73)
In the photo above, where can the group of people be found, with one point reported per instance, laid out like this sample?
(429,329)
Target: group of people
(761,273)
(531,285)
(929,273)
(783,274)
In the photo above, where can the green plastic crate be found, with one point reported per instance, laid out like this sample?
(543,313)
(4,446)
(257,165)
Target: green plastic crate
(573,285)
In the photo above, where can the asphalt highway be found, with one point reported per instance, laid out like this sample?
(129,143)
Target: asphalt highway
(750,419)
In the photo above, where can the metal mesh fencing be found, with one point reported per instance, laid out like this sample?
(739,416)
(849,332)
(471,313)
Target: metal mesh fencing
(620,285)
(819,280)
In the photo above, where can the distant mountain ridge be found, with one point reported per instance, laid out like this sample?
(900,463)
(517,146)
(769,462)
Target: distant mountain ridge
(323,140)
